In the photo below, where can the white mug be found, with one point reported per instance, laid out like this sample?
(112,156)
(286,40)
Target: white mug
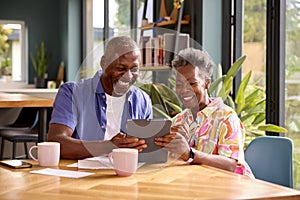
(124,161)
(48,153)
(51,84)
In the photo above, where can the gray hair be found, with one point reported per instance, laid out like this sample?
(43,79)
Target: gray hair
(120,45)
(195,57)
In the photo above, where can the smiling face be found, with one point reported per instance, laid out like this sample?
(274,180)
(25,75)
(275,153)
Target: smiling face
(191,87)
(121,73)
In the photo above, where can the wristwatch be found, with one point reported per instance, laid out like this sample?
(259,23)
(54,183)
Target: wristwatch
(192,155)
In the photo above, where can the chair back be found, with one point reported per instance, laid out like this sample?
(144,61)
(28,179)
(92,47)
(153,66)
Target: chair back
(9,115)
(28,118)
(271,159)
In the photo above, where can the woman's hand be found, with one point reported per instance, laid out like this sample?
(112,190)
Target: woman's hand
(176,143)
(121,141)
(183,129)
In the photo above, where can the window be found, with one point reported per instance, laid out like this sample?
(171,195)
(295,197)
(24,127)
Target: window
(12,53)
(254,41)
(101,24)
(254,47)
(292,87)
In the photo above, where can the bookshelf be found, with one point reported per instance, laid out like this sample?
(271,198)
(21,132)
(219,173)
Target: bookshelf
(164,24)
(169,32)
(152,68)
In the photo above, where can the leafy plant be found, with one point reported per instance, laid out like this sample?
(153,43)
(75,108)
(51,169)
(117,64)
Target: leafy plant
(41,61)
(165,102)
(249,103)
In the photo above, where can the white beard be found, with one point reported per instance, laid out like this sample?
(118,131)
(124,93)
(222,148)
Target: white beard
(120,88)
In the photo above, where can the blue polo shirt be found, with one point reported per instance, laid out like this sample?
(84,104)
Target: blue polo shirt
(82,107)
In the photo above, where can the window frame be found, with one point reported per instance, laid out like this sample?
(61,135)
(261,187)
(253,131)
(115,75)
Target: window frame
(275,54)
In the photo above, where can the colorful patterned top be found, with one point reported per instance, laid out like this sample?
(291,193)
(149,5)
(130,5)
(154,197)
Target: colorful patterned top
(217,130)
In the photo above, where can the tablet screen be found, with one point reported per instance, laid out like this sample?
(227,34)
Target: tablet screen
(148,130)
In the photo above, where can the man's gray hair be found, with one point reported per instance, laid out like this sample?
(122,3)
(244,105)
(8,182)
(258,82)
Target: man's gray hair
(195,57)
(120,45)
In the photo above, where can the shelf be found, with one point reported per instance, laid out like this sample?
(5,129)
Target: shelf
(152,68)
(163,23)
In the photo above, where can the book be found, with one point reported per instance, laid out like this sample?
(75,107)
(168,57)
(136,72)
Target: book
(169,45)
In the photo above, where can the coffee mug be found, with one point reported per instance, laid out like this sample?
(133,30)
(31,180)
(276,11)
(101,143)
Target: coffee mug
(48,153)
(51,84)
(124,161)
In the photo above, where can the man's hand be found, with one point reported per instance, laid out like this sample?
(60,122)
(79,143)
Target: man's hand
(121,141)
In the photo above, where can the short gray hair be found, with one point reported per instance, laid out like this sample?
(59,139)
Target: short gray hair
(195,57)
(120,45)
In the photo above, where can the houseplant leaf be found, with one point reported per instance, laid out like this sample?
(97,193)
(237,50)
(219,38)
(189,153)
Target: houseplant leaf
(157,99)
(272,128)
(226,88)
(240,98)
(235,68)
(259,118)
(216,86)
(158,112)
(168,94)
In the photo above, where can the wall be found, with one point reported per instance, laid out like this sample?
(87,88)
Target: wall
(74,39)
(212,29)
(48,21)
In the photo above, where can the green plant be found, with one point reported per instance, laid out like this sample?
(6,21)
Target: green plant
(41,61)
(165,102)
(249,103)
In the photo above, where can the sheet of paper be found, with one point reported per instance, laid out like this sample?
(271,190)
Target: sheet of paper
(61,173)
(100,162)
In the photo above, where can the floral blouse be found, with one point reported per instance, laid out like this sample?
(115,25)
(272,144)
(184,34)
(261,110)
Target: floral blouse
(216,130)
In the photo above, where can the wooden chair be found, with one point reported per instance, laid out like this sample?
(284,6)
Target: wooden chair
(24,130)
(271,159)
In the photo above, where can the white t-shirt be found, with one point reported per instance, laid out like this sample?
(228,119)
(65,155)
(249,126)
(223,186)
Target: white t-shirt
(114,111)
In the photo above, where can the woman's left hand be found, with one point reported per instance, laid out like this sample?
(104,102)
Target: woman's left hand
(175,143)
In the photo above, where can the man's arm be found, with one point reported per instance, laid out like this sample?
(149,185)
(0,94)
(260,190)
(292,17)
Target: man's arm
(72,148)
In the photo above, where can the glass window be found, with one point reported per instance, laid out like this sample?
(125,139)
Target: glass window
(12,50)
(254,47)
(119,24)
(292,81)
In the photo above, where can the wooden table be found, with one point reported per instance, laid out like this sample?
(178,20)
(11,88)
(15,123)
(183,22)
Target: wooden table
(175,181)
(8,100)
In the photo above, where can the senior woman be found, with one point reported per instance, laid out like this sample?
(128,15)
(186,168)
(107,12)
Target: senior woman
(207,131)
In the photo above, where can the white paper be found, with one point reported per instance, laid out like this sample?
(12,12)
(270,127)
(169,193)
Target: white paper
(61,173)
(100,162)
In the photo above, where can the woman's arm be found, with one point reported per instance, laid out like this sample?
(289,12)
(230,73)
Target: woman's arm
(176,143)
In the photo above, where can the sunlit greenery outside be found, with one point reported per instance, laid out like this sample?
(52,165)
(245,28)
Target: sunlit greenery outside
(5,60)
(254,31)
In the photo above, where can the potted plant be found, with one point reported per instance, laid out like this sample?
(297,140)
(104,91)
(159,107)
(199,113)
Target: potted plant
(40,63)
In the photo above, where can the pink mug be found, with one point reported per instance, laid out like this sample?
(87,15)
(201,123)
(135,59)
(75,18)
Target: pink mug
(48,153)
(124,161)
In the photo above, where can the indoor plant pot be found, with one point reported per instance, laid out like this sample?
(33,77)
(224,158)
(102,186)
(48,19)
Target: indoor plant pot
(40,63)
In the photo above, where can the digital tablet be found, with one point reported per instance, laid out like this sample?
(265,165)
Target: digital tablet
(148,130)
